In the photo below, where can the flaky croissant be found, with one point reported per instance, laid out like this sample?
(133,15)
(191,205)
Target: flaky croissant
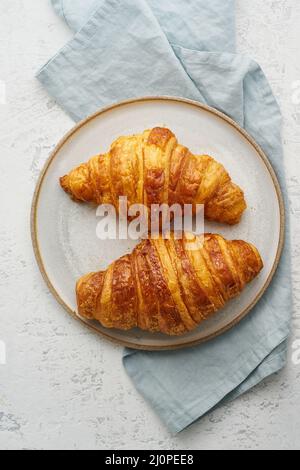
(152,168)
(168,285)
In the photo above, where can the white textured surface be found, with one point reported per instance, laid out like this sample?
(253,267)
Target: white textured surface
(62,386)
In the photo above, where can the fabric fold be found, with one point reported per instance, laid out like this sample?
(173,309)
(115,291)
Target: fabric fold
(176,405)
(131,48)
(195,24)
(115,45)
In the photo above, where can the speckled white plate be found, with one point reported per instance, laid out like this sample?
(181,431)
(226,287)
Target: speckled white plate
(64,233)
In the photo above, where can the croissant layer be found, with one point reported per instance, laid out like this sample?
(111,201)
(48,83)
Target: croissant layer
(153,168)
(168,285)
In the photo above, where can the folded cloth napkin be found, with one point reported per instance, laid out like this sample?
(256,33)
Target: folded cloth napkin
(130,48)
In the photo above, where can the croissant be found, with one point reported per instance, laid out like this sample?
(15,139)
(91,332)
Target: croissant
(152,168)
(168,285)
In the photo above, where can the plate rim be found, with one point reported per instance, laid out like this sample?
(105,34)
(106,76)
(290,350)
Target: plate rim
(35,241)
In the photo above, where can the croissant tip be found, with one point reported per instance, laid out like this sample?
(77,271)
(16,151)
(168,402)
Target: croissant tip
(260,263)
(64,183)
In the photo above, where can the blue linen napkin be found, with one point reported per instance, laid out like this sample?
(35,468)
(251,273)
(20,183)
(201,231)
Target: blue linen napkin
(129,48)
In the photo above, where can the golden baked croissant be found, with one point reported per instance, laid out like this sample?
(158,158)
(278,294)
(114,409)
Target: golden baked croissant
(168,285)
(152,168)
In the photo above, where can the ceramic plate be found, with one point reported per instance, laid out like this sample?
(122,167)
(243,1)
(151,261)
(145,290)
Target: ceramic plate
(64,233)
